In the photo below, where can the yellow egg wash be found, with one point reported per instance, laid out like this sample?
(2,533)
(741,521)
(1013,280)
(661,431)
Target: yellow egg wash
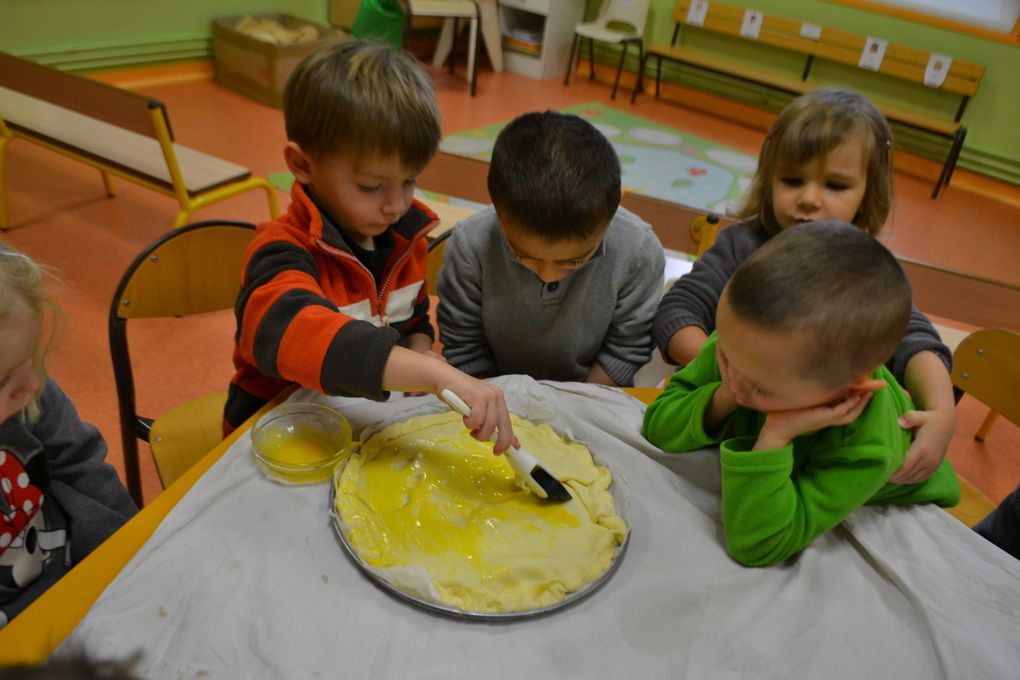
(425,495)
(298,446)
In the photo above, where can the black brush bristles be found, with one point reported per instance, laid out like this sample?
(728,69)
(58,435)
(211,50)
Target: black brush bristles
(554,490)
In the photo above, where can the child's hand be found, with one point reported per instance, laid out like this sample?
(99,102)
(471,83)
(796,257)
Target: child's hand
(489,413)
(932,433)
(782,426)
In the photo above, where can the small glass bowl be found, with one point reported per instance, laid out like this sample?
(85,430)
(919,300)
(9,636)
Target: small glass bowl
(301,443)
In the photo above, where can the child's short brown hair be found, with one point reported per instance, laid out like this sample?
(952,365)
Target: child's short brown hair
(365,98)
(555,176)
(833,287)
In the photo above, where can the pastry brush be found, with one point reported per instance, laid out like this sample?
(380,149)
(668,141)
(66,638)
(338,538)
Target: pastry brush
(525,465)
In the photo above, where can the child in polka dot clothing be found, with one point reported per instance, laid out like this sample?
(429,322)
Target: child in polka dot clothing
(58,497)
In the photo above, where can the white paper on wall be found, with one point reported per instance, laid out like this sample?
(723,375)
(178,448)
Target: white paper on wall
(937,70)
(751,27)
(696,13)
(810,31)
(873,53)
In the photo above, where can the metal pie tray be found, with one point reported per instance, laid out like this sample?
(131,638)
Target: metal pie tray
(456,612)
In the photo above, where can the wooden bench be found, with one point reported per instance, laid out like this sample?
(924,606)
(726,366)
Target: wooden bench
(121,133)
(901,63)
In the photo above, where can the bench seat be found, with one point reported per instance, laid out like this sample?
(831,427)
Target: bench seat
(129,151)
(907,64)
(121,133)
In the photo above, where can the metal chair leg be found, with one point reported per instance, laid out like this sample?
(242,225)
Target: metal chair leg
(658,74)
(619,70)
(640,83)
(591,59)
(961,135)
(570,61)
(950,165)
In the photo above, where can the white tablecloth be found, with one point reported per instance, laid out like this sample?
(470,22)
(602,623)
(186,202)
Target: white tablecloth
(245,579)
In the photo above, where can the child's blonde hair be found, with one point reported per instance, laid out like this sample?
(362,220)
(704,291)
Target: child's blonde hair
(22,291)
(364,98)
(812,125)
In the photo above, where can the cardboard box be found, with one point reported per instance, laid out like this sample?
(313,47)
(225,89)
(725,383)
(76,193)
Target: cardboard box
(257,67)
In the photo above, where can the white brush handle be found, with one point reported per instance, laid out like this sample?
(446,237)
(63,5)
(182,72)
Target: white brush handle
(521,461)
(455,402)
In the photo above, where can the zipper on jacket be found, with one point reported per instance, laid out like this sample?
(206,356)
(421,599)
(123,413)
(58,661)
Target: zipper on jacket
(380,290)
(396,265)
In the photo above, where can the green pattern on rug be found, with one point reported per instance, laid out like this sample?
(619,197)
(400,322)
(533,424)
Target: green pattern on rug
(656,160)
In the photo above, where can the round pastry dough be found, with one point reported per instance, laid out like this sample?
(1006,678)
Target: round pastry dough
(435,513)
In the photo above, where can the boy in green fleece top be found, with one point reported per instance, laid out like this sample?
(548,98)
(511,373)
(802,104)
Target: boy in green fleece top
(792,388)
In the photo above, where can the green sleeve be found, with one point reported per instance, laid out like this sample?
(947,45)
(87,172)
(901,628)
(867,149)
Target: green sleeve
(675,421)
(771,512)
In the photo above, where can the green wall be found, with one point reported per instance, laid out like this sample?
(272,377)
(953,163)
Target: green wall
(98,34)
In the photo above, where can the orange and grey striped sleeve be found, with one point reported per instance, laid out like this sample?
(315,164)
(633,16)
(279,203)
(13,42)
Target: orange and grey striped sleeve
(288,328)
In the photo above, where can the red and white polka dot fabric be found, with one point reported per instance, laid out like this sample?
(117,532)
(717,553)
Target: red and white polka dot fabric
(22,498)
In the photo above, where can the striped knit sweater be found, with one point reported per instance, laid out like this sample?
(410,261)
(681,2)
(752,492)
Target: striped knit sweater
(311,314)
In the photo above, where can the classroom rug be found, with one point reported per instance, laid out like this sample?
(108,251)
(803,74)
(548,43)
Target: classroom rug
(656,160)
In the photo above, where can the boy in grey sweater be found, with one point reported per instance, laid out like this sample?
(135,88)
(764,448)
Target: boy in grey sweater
(569,279)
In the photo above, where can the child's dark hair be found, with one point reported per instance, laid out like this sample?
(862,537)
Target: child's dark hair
(834,288)
(811,126)
(554,175)
(362,97)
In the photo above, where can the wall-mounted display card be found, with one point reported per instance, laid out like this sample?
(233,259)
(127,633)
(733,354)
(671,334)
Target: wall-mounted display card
(937,69)
(751,27)
(873,53)
(810,31)
(696,13)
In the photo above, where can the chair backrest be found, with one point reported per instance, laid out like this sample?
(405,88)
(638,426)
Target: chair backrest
(435,261)
(631,12)
(191,270)
(986,365)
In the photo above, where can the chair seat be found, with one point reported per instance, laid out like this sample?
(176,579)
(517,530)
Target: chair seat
(973,507)
(596,31)
(185,433)
(444,8)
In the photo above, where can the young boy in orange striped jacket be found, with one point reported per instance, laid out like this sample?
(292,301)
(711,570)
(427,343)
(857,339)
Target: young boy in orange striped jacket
(333,296)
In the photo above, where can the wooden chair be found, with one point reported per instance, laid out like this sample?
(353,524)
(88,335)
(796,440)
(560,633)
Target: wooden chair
(630,13)
(191,270)
(986,365)
(704,230)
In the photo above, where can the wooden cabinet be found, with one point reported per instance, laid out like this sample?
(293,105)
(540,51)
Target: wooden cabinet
(538,34)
